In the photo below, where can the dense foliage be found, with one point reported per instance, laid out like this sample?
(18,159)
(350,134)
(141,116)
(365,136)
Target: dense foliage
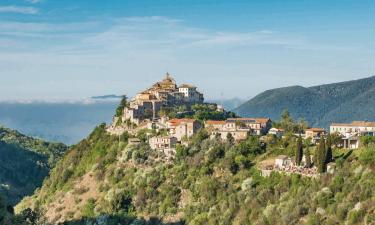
(208,182)
(24,163)
(319,105)
(201,112)
(53,151)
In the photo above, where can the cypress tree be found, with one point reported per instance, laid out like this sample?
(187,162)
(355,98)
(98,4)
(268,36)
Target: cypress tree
(329,149)
(321,156)
(299,151)
(308,157)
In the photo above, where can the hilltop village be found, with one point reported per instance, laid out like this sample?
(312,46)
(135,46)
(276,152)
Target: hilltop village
(168,110)
(170,155)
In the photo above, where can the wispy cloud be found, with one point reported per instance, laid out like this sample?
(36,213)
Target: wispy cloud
(18,9)
(162,32)
(34,1)
(120,48)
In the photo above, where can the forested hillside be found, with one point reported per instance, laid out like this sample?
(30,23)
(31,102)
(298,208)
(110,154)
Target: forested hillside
(319,105)
(103,180)
(24,163)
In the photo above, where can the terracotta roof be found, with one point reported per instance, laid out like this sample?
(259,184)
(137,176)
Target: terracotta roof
(316,129)
(178,121)
(212,122)
(256,120)
(355,124)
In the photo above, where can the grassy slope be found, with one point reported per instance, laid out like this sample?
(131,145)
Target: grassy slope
(209,183)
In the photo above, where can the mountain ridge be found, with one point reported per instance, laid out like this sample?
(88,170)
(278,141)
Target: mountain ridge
(316,104)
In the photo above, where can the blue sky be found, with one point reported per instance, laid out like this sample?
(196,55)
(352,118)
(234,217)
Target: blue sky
(54,49)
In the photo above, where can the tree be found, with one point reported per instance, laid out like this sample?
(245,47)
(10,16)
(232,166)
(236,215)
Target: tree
(329,149)
(286,121)
(230,138)
(299,151)
(121,107)
(218,136)
(301,126)
(321,156)
(2,210)
(307,157)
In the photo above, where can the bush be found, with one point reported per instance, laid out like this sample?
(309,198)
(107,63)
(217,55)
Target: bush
(88,208)
(367,156)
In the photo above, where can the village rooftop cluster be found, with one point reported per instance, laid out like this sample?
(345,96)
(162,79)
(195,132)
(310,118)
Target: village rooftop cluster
(145,111)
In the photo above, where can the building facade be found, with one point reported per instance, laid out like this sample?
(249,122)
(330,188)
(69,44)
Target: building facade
(351,132)
(165,93)
(165,142)
(315,133)
(354,128)
(180,128)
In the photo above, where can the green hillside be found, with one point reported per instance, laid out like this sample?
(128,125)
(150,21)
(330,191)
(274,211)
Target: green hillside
(24,163)
(319,105)
(103,180)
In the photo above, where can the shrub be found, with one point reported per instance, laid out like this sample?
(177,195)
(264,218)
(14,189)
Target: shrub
(367,156)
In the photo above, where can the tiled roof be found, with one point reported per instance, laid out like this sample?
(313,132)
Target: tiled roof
(249,120)
(178,121)
(355,124)
(316,129)
(212,122)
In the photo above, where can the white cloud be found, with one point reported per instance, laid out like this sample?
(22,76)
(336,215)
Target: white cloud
(125,54)
(18,9)
(34,1)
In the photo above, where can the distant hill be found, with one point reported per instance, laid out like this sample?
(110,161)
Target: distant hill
(24,163)
(319,105)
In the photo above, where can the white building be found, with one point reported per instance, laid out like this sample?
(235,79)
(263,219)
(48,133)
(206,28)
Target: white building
(276,131)
(351,132)
(356,127)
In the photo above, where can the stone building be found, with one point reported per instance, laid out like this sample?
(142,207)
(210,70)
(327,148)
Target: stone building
(314,133)
(165,142)
(180,128)
(239,128)
(165,93)
(258,126)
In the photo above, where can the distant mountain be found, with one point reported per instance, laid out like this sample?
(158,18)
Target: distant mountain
(24,163)
(319,105)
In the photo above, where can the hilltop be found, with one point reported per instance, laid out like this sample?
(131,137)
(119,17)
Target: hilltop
(319,105)
(117,176)
(24,163)
(105,179)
